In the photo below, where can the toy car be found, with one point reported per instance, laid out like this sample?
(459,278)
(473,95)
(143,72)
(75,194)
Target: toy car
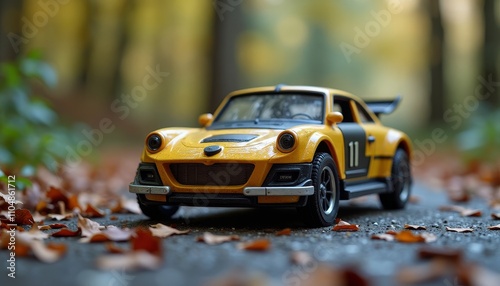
(282,146)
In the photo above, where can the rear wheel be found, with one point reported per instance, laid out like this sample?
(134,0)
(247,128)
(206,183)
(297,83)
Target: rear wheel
(322,207)
(401,183)
(157,212)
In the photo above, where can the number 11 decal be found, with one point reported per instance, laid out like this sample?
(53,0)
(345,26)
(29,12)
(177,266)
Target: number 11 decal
(353,154)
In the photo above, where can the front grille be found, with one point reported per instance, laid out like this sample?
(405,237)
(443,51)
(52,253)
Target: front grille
(223,174)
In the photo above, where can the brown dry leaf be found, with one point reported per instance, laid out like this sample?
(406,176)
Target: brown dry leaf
(301,258)
(66,232)
(453,255)
(135,260)
(113,217)
(495,215)
(494,227)
(459,229)
(112,248)
(88,227)
(92,211)
(60,217)
(111,233)
(131,206)
(285,231)
(143,239)
(37,217)
(52,226)
(325,275)
(213,239)
(344,226)
(49,253)
(44,227)
(73,202)
(261,244)
(161,230)
(33,234)
(471,213)
(8,199)
(56,195)
(415,227)
(383,236)
(23,217)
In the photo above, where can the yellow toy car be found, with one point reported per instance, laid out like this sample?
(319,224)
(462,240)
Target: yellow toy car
(283,146)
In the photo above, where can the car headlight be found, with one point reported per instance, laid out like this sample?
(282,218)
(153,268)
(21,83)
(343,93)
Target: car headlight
(154,142)
(287,141)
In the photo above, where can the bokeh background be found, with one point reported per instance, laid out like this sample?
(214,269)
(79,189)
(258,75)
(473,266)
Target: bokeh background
(433,53)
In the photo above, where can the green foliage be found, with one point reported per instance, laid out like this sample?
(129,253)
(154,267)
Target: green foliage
(481,137)
(30,134)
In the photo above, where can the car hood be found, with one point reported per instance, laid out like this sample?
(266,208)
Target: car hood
(234,138)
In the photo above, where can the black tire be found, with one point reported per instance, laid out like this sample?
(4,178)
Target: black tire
(322,207)
(157,212)
(401,183)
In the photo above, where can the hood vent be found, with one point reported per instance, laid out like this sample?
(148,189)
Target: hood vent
(230,138)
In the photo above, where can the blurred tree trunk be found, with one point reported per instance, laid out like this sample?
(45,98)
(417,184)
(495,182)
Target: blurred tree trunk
(437,91)
(225,70)
(489,53)
(10,22)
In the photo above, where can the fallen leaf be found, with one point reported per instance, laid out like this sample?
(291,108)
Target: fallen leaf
(452,208)
(49,253)
(73,202)
(33,234)
(459,229)
(112,248)
(37,217)
(60,217)
(255,245)
(414,199)
(407,236)
(143,239)
(453,255)
(111,233)
(471,213)
(415,227)
(56,195)
(426,272)
(495,215)
(301,258)
(131,206)
(213,239)
(383,236)
(23,217)
(66,232)
(113,217)
(494,227)
(161,230)
(88,227)
(429,237)
(285,231)
(135,260)
(344,226)
(93,212)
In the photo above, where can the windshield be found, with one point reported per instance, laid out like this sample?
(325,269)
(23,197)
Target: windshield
(273,108)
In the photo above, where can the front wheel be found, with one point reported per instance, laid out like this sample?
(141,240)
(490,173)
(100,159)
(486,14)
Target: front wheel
(157,212)
(322,206)
(401,183)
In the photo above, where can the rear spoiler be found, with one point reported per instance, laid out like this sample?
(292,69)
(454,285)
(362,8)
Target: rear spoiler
(383,106)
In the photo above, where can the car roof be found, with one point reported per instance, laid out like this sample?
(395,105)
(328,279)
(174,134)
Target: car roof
(303,88)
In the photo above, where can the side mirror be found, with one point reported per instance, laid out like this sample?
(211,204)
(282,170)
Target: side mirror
(334,117)
(205,119)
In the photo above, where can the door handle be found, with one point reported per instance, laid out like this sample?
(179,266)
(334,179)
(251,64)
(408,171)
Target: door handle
(371,139)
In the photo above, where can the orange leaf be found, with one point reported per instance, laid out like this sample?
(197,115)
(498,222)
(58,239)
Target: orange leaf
(213,239)
(144,240)
(415,227)
(407,236)
(285,231)
(161,230)
(494,227)
(256,245)
(23,216)
(66,232)
(92,211)
(344,226)
(383,236)
(459,229)
(73,202)
(112,248)
(471,212)
(495,215)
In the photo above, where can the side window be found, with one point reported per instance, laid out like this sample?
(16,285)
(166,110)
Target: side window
(342,105)
(364,117)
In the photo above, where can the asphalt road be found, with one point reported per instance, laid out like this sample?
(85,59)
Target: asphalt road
(187,262)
